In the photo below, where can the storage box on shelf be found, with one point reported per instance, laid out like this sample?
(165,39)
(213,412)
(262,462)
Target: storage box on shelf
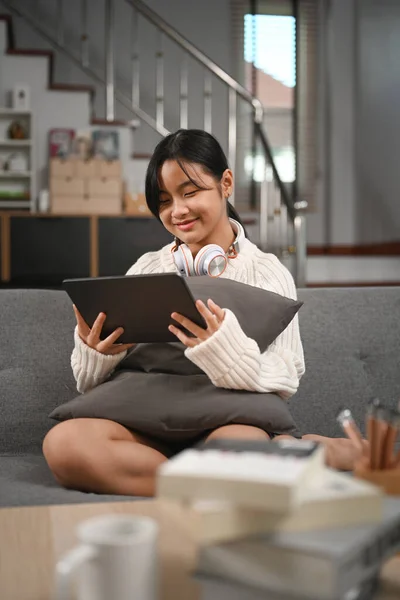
(135,205)
(17,182)
(85,187)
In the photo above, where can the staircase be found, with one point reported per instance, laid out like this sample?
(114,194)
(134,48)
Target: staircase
(113,88)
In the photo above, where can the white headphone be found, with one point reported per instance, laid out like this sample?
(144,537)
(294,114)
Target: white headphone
(211,259)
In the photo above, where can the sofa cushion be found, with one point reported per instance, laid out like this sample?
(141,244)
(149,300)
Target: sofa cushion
(27,481)
(351,339)
(36,340)
(262,314)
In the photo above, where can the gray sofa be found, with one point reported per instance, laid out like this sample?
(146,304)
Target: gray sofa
(352,347)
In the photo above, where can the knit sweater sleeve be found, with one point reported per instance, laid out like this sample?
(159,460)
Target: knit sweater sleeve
(232,360)
(89,367)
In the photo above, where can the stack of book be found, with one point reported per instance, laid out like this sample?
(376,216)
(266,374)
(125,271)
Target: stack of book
(271,521)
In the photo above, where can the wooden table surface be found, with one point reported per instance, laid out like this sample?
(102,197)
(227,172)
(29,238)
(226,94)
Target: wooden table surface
(33,538)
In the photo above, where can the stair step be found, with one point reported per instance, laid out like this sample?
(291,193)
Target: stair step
(69,87)
(30,52)
(133,124)
(10,30)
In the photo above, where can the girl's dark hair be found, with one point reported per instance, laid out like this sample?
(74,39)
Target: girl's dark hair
(186,146)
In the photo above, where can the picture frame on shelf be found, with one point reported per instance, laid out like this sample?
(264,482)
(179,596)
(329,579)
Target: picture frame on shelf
(21,96)
(61,142)
(106,144)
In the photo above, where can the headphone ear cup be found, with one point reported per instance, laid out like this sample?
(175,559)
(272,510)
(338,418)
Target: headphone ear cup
(184,260)
(210,260)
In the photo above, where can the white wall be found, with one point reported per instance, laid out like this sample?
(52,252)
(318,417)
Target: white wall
(378,120)
(334,219)
(359,123)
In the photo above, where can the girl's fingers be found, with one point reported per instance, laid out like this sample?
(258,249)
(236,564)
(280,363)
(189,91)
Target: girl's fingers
(217,310)
(83,327)
(182,337)
(197,331)
(110,340)
(208,316)
(95,332)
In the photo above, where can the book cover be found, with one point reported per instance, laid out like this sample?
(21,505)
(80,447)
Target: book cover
(320,564)
(214,588)
(330,500)
(260,474)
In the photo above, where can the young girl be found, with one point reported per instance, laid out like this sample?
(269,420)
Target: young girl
(188,183)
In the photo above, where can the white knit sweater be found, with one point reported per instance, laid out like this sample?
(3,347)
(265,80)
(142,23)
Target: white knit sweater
(229,358)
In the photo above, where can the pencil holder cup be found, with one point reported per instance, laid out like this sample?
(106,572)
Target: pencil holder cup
(387,479)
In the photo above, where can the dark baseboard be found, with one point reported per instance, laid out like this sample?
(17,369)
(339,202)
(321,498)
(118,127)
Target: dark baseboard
(331,284)
(381,249)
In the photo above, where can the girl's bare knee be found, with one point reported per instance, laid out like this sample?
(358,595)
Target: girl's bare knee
(61,450)
(244,432)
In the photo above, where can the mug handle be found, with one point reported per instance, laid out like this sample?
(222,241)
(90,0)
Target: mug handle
(67,566)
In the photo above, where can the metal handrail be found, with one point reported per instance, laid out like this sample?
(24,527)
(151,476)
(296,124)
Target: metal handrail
(198,55)
(287,206)
(290,204)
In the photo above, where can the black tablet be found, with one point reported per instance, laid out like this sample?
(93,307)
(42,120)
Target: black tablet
(141,304)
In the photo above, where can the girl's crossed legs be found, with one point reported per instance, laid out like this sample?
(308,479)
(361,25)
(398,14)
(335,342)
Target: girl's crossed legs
(98,455)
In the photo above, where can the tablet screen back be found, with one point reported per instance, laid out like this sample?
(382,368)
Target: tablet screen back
(141,304)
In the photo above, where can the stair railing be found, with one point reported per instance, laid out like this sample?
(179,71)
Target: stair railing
(282,220)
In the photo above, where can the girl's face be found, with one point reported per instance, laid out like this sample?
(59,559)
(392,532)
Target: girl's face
(195,216)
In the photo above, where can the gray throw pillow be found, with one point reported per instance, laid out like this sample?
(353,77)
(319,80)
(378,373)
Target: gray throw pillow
(157,391)
(177,407)
(263,315)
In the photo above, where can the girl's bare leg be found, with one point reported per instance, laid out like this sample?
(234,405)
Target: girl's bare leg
(97,455)
(242,432)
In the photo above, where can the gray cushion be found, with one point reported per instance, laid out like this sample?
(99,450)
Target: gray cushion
(351,339)
(157,391)
(177,407)
(263,315)
(27,481)
(36,339)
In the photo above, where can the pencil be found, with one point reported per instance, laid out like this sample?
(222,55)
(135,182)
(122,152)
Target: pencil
(393,420)
(345,418)
(373,433)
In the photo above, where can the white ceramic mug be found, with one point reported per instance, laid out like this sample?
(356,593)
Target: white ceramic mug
(116,559)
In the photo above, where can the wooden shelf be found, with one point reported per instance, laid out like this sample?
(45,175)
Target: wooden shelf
(13,112)
(15,174)
(15,143)
(15,203)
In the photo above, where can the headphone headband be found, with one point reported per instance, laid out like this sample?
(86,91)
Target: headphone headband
(211,259)
(240,235)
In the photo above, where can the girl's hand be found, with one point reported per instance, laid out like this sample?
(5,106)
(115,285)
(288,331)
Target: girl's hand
(91,337)
(213,316)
